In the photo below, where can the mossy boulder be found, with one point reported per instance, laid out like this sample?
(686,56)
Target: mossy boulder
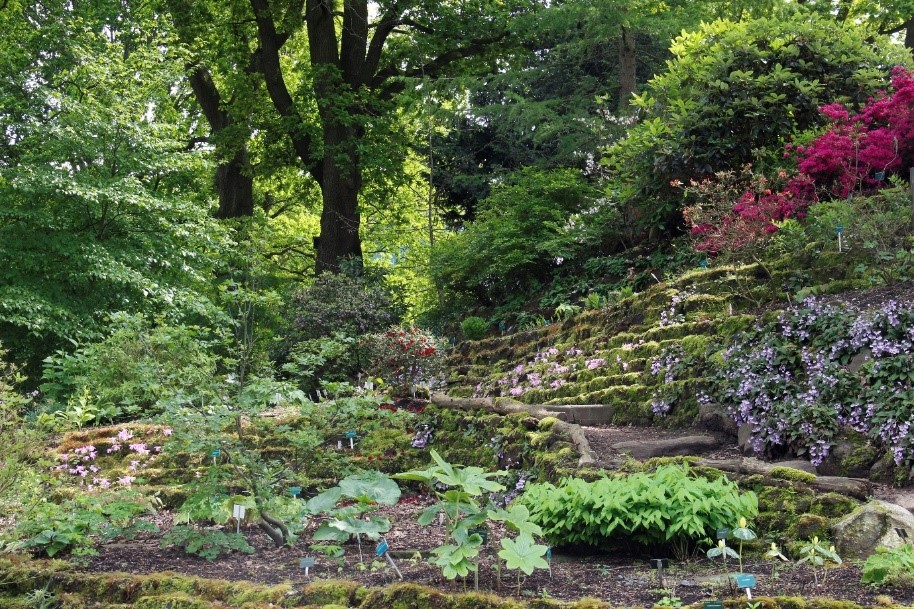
(872,525)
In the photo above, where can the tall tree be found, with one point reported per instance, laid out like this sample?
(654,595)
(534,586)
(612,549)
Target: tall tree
(332,71)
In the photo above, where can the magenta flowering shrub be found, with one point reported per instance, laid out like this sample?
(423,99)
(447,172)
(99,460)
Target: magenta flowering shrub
(878,139)
(821,369)
(737,211)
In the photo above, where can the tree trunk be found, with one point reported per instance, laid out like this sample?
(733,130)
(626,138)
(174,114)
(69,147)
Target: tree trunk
(909,34)
(235,187)
(342,180)
(627,68)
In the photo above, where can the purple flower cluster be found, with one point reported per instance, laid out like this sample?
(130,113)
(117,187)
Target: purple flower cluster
(820,369)
(422,438)
(548,370)
(671,315)
(81,464)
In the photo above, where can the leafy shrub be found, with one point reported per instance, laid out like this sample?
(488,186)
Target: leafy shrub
(133,371)
(205,543)
(734,91)
(668,506)
(520,234)
(320,360)
(16,440)
(893,566)
(474,328)
(405,357)
(337,303)
(74,525)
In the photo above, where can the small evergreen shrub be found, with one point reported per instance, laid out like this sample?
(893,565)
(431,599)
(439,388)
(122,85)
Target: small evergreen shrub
(474,328)
(671,506)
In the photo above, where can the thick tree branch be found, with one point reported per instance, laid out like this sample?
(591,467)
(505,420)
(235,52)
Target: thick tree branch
(432,69)
(268,55)
(376,47)
(354,41)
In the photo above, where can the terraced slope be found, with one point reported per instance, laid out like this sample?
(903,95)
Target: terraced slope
(609,365)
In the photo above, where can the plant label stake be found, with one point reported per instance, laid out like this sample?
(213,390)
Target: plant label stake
(902,533)
(339,445)
(350,435)
(306,563)
(723,533)
(295,491)
(839,230)
(383,550)
(746,582)
(238,511)
(369,385)
(215,455)
(549,559)
(713,605)
(660,564)
(441,518)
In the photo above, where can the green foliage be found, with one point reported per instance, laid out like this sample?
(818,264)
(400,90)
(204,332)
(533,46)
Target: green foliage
(735,93)
(893,566)
(338,303)
(814,554)
(205,543)
(133,372)
(461,504)
(520,234)
(365,492)
(670,505)
(320,360)
(101,171)
(523,554)
(75,525)
(474,328)
(17,441)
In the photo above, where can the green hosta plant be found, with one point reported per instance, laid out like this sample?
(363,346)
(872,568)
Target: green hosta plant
(815,554)
(366,491)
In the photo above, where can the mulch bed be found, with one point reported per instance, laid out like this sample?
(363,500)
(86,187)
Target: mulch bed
(620,580)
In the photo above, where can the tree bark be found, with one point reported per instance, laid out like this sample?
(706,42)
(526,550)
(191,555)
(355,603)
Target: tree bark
(627,68)
(909,34)
(340,219)
(233,179)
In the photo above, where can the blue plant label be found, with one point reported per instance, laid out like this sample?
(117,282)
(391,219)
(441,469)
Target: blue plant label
(350,434)
(382,548)
(295,491)
(879,176)
(714,605)
(703,263)
(216,453)
(306,562)
(744,580)
(549,555)
(839,229)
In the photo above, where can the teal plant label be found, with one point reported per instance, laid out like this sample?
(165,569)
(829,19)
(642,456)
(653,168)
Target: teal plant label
(382,548)
(714,605)
(306,563)
(723,533)
(295,491)
(350,434)
(744,580)
(216,453)
(839,229)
